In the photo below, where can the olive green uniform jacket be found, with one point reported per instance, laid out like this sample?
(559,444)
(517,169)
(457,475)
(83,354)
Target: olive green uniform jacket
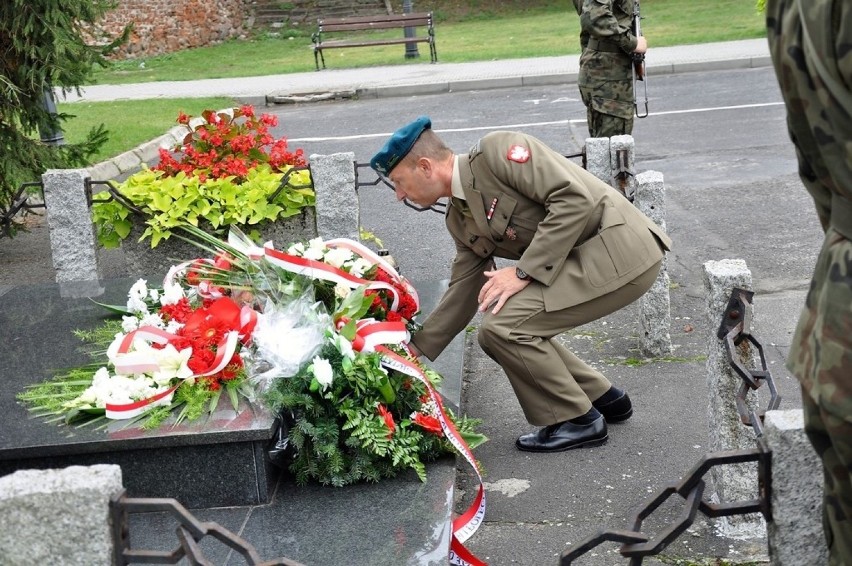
(570,231)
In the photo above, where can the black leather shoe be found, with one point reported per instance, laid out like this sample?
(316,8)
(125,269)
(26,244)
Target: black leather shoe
(615,410)
(564,436)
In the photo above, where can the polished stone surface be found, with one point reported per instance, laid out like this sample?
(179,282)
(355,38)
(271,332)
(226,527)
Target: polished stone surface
(397,521)
(227,449)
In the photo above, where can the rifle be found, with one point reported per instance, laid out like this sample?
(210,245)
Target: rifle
(638,64)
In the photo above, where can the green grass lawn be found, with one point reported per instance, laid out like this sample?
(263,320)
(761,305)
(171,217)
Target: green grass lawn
(534,32)
(482,34)
(131,122)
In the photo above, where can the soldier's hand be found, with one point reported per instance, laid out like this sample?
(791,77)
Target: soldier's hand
(501,284)
(641,44)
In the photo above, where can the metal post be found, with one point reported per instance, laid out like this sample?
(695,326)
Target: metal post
(411,51)
(49,135)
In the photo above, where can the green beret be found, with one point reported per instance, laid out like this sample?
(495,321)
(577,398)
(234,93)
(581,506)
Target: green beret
(399,144)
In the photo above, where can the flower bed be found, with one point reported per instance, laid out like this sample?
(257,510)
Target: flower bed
(227,171)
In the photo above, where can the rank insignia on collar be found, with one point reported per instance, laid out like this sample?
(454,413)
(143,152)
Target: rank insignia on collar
(518,154)
(511,233)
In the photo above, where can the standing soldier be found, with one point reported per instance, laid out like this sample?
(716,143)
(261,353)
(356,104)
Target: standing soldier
(810,45)
(606,65)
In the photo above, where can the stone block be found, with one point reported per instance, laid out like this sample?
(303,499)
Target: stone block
(736,482)
(337,210)
(655,305)
(795,534)
(598,161)
(58,516)
(72,234)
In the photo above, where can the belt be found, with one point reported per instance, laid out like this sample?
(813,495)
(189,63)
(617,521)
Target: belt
(841,215)
(603,45)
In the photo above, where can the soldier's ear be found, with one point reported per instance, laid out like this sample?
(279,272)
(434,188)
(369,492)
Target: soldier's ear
(425,165)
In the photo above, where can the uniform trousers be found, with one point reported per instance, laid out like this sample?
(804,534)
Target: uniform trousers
(551,383)
(831,437)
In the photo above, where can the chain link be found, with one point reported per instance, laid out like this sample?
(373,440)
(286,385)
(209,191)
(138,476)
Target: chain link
(189,531)
(735,331)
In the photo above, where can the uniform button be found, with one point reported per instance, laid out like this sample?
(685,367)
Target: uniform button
(548,267)
(505,217)
(498,239)
(473,239)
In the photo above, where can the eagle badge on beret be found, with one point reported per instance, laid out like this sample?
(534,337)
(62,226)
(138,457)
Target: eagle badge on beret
(518,154)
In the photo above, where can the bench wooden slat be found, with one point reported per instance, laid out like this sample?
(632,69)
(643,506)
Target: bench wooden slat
(370,23)
(370,19)
(366,43)
(358,26)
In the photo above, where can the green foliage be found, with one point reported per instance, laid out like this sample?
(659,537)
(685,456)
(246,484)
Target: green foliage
(44,44)
(340,434)
(169,202)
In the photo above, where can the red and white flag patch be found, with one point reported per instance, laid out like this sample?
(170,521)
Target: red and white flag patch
(518,154)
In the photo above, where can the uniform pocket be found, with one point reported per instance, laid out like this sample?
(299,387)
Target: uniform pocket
(614,252)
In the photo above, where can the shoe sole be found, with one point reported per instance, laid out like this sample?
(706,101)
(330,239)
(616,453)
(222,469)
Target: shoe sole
(586,444)
(618,418)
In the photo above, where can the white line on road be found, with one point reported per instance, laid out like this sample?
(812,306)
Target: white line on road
(537,124)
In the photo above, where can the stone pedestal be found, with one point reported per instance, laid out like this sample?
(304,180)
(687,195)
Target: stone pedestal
(215,461)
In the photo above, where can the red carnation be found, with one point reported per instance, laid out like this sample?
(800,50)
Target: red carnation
(385,414)
(429,423)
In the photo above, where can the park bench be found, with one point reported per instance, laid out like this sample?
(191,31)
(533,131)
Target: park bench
(368,23)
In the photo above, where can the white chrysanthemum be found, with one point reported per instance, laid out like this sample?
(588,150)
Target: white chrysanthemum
(336,257)
(129,323)
(116,389)
(315,254)
(171,294)
(342,291)
(359,267)
(152,319)
(296,249)
(154,294)
(173,326)
(139,290)
(323,372)
(137,305)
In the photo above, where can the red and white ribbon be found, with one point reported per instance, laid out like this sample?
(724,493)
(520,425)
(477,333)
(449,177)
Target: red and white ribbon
(366,253)
(131,363)
(373,334)
(319,270)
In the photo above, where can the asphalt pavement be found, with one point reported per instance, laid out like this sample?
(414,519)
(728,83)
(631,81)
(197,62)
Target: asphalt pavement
(539,505)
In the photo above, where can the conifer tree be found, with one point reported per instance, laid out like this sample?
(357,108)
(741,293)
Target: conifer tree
(45,44)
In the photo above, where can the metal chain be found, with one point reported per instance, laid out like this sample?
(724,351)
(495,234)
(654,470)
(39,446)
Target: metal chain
(19,202)
(735,330)
(189,531)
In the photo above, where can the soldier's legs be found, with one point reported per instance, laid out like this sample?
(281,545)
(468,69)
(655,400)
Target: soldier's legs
(551,386)
(831,437)
(609,108)
(606,125)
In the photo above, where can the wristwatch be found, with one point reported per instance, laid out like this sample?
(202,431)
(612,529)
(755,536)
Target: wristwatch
(522,274)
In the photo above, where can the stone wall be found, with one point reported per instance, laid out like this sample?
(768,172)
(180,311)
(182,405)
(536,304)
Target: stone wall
(164,26)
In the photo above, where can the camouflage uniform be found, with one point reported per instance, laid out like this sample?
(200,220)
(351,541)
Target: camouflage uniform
(606,66)
(811,46)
